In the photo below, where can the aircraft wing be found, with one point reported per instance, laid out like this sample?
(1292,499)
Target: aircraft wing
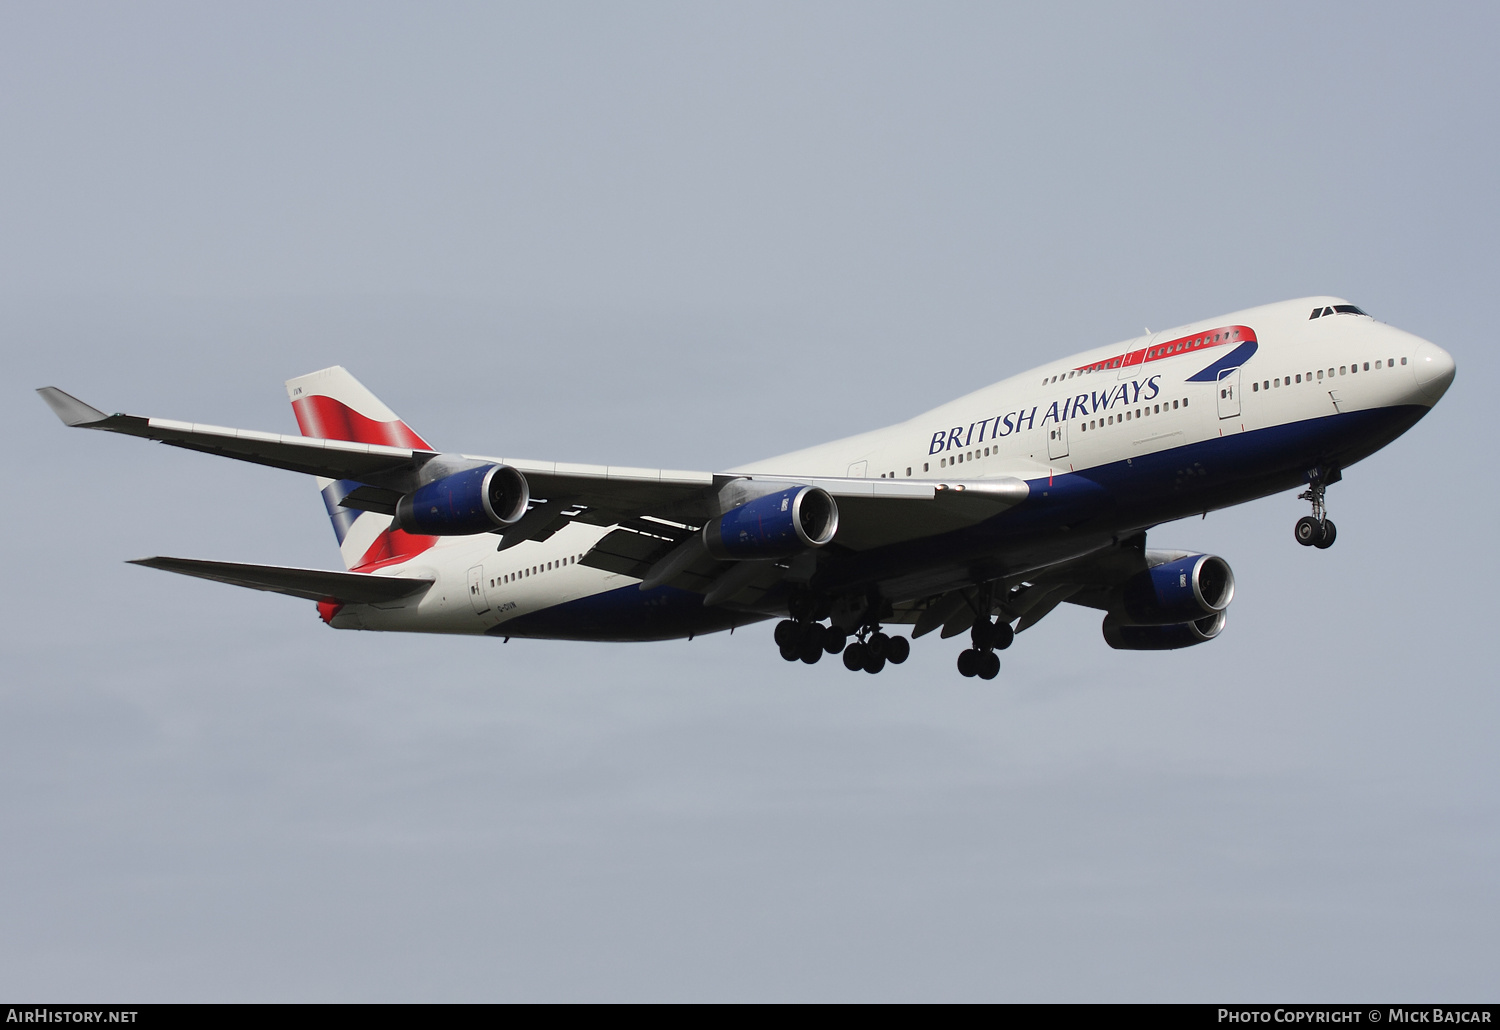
(332,459)
(1088,581)
(872,512)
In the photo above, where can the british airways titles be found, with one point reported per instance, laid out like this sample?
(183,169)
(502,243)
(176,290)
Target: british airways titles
(1083,404)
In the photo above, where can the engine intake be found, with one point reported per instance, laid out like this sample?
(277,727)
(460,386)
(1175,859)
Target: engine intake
(473,501)
(1123,637)
(1176,592)
(774,526)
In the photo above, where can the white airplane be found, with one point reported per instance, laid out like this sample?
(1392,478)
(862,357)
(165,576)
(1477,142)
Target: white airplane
(980,516)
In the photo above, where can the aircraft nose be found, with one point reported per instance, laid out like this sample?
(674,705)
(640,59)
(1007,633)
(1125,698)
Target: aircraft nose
(1434,370)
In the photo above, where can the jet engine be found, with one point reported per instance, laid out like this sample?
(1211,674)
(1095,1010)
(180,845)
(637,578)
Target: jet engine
(1124,637)
(473,501)
(1176,592)
(774,526)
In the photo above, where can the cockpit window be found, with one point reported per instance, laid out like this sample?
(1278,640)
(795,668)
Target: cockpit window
(1337,309)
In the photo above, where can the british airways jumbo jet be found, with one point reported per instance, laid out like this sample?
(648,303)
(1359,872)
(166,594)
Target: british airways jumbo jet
(980,516)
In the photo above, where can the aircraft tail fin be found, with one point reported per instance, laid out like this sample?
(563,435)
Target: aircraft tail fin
(331,404)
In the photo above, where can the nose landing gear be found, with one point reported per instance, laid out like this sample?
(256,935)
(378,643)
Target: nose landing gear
(1317,530)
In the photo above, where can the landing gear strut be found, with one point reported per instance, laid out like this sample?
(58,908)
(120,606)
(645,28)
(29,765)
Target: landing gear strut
(1317,529)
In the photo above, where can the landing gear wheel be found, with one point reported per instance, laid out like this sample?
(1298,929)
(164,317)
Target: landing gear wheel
(1329,535)
(854,657)
(1317,530)
(1002,636)
(834,640)
(968,662)
(787,632)
(873,662)
(1309,531)
(989,665)
(898,650)
(791,652)
(812,650)
(979,633)
(877,644)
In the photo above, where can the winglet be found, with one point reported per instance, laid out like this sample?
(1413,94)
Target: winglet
(69,408)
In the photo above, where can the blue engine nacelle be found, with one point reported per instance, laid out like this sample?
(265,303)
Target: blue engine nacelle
(1124,637)
(774,526)
(1176,592)
(473,501)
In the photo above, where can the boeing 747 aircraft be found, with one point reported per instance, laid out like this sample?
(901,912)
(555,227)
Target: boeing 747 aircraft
(979,517)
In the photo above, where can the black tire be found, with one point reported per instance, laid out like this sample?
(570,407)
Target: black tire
(877,643)
(873,662)
(1002,636)
(812,650)
(898,650)
(979,634)
(834,640)
(1329,535)
(791,652)
(968,662)
(854,657)
(787,632)
(989,665)
(1307,531)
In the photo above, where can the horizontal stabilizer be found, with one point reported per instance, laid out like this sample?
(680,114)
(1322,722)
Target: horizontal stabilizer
(312,584)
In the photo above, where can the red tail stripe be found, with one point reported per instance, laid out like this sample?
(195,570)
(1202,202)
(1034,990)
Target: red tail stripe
(327,419)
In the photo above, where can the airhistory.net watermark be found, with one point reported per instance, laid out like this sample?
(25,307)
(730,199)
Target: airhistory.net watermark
(44,1014)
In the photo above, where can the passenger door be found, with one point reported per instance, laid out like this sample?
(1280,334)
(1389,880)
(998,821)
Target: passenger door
(1229,393)
(476,590)
(1057,440)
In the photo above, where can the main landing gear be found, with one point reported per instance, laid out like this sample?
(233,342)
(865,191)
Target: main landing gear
(981,659)
(870,650)
(807,640)
(1317,529)
(804,637)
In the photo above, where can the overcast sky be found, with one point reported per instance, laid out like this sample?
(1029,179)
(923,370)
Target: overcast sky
(690,236)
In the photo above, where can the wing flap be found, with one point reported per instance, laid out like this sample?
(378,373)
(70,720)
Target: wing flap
(311,584)
(626,553)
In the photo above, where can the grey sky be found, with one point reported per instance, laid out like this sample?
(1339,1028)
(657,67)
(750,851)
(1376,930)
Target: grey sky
(689,236)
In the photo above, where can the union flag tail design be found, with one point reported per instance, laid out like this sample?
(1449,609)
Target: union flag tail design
(332,405)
